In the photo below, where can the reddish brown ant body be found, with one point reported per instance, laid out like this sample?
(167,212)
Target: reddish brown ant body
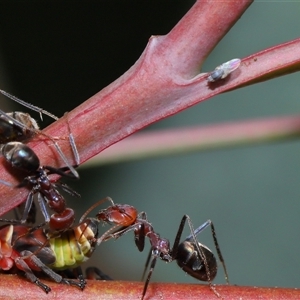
(22,157)
(194,258)
(69,249)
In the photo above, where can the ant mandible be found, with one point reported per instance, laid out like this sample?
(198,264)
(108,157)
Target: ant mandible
(193,257)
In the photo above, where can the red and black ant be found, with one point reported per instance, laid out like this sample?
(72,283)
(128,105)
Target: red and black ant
(193,257)
(23,158)
(21,126)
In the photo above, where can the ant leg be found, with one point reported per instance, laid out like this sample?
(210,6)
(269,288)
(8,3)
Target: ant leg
(17,212)
(66,188)
(219,250)
(28,205)
(200,249)
(6,183)
(32,214)
(178,237)
(74,149)
(27,208)
(56,277)
(81,284)
(73,171)
(213,232)
(147,264)
(139,236)
(72,143)
(62,171)
(110,233)
(153,262)
(42,201)
(65,160)
(93,272)
(22,265)
(74,273)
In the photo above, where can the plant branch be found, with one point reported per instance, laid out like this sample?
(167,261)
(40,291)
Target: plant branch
(164,81)
(160,83)
(13,287)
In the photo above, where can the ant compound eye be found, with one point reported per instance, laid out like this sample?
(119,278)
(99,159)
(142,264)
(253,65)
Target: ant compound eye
(224,70)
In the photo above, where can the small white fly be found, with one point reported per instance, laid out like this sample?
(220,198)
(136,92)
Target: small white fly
(224,70)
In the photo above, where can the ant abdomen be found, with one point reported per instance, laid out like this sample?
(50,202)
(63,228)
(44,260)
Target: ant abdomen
(188,260)
(12,132)
(62,221)
(8,132)
(20,156)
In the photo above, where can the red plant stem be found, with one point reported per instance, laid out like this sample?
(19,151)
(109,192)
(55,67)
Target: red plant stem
(194,36)
(13,287)
(155,87)
(161,83)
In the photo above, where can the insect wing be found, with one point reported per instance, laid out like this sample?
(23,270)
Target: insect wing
(230,66)
(224,70)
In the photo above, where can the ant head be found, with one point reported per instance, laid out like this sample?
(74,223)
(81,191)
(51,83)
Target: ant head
(162,249)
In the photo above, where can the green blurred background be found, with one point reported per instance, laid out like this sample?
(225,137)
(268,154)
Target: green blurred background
(56,55)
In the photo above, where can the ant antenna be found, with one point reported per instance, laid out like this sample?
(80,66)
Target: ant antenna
(72,143)
(28,105)
(83,217)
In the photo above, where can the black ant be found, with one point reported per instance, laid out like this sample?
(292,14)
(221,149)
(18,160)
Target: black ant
(23,158)
(193,257)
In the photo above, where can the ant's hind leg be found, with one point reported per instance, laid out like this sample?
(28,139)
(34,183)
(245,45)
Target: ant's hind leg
(95,273)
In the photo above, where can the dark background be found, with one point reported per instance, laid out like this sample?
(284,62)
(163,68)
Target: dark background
(56,55)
